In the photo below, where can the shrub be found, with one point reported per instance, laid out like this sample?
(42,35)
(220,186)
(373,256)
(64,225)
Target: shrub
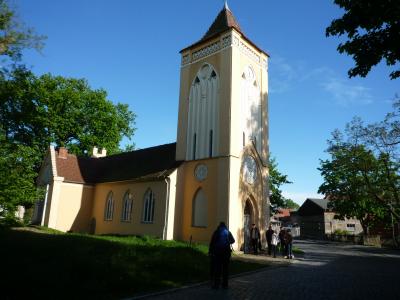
(340,232)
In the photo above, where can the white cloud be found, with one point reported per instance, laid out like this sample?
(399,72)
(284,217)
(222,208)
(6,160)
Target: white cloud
(346,94)
(286,76)
(300,197)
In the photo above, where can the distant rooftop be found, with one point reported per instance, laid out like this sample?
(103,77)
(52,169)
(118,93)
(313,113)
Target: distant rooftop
(323,203)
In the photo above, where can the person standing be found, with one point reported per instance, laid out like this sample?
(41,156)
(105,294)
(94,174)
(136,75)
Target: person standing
(220,254)
(282,241)
(268,235)
(289,244)
(274,242)
(255,237)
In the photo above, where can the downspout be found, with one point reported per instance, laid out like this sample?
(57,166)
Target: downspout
(45,205)
(167,181)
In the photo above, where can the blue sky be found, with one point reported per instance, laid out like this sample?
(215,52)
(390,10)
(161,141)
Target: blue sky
(131,49)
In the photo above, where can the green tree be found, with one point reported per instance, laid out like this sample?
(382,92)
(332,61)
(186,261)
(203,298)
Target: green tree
(345,176)
(17,161)
(14,35)
(373,33)
(360,182)
(291,204)
(39,111)
(276,180)
(17,185)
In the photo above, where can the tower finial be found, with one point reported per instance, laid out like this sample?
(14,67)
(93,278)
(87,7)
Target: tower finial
(226,4)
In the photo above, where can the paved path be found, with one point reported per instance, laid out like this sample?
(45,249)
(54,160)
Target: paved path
(327,271)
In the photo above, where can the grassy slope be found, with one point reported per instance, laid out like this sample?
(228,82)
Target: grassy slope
(52,265)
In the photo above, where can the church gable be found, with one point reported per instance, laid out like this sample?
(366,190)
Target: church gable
(46,171)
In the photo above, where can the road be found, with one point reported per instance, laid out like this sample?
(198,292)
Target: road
(326,271)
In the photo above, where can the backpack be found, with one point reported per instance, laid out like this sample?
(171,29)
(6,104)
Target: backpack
(222,240)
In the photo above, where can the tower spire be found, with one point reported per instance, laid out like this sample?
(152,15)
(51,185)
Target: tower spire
(226,5)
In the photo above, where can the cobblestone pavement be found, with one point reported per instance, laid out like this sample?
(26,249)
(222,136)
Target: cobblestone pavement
(327,271)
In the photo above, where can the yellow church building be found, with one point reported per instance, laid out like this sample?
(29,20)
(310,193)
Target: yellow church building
(216,171)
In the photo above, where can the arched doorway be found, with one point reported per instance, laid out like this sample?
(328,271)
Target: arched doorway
(248,219)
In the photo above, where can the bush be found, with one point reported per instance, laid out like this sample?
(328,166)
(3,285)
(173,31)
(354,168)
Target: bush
(340,232)
(9,221)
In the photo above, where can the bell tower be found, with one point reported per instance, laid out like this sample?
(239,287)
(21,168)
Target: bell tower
(222,123)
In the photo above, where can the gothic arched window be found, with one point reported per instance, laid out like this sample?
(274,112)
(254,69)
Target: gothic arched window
(148,207)
(203,114)
(251,108)
(127,203)
(109,207)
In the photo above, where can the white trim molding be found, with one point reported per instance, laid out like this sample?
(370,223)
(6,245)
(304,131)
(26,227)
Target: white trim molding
(231,39)
(53,161)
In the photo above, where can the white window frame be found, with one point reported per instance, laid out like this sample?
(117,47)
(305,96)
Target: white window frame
(351,227)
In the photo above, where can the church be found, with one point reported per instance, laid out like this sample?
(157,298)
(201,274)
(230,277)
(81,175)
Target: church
(216,171)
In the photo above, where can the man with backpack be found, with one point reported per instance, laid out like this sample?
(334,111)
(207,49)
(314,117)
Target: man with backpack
(220,253)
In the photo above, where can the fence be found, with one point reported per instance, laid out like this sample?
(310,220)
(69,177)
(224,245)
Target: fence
(369,240)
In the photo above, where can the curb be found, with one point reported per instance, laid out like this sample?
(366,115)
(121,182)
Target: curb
(173,290)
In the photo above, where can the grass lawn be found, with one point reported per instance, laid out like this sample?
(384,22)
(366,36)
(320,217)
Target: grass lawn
(46,264)
(297,250)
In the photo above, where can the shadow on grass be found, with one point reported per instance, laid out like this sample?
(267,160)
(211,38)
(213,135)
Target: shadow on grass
(73,266)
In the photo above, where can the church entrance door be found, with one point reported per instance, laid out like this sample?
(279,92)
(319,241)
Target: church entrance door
(247,221)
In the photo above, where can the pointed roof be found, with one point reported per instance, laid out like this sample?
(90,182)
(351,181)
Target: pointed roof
(224,21)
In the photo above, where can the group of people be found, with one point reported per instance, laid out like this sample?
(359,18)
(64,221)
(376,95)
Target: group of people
(282,241)
(220,249)
(276,242)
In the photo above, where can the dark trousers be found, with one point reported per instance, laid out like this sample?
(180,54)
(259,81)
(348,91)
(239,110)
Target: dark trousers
(273,250)
(254,244)
(282,248)
(269,247)
(289,250)
(220,266)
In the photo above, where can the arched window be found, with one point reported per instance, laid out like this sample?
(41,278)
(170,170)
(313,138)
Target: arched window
(251,109)
(199,214)
(148,207)
(203,114)
(109,208)
(127,207)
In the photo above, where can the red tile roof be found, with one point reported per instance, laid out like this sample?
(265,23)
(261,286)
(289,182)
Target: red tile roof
(283,212)
(76,169)
(145,164)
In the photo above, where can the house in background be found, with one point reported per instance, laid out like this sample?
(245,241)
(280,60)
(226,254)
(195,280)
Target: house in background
(286,218)
(316,220)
